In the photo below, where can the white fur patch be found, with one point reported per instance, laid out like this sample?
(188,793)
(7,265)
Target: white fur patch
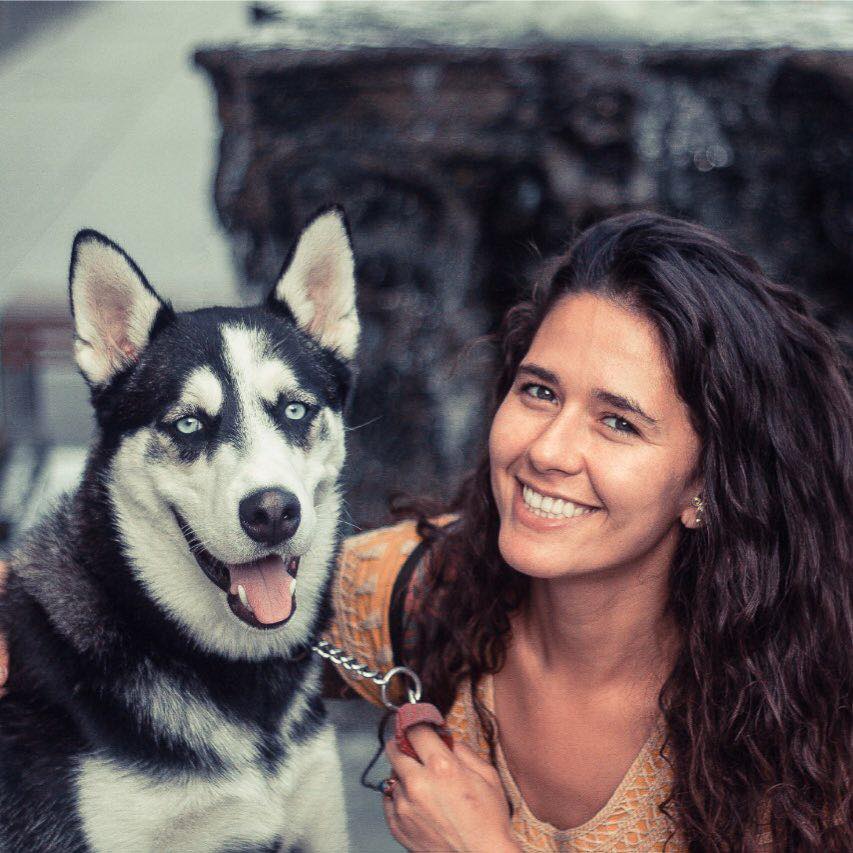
(302,804)
(113,310)
(202,390)
(274,378)
(319,284)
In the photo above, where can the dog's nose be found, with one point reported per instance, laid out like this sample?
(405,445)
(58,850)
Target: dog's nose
(270,516)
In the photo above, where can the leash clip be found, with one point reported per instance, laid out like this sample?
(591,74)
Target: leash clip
(414,691)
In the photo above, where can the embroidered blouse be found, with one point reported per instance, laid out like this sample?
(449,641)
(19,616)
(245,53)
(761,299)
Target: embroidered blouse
(368,568)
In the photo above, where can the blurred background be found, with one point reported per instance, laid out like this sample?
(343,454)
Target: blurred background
(465,141)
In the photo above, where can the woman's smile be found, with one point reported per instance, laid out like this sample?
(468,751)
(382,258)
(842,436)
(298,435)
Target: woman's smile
(543,511)
(592,452)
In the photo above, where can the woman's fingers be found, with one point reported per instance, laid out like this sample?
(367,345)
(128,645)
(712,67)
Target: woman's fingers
(391,820)
(401,764)
(428,746)
(472,761)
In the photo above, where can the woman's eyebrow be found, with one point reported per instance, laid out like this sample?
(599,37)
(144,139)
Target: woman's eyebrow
(626,404)
(540,373)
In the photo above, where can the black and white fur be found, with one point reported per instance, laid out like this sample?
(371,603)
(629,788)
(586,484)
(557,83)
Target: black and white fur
(141,713)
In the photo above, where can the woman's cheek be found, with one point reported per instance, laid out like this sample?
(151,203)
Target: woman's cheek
(500,437)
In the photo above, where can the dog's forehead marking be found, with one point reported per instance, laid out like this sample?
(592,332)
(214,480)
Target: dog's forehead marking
(244,349)
(255,367)
(201,390)
(273,378)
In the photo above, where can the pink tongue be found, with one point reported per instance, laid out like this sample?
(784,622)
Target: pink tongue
(267,585)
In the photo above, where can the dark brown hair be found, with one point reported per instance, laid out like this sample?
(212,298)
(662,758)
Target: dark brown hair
(758,705)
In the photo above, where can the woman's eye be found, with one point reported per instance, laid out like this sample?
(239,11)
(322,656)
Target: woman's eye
(188,425)
(295,411)
(618,424)
(538,392)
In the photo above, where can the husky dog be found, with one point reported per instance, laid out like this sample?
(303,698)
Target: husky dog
(162,694)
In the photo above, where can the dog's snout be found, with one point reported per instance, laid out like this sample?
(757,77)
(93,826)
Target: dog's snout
(270,516)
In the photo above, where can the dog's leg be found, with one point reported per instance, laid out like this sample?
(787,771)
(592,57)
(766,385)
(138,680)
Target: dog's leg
(316,807)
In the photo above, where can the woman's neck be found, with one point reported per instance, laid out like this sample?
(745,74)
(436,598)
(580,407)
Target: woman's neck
(599,631)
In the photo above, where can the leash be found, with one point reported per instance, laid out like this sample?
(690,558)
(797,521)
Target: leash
(409,714)
(360,670)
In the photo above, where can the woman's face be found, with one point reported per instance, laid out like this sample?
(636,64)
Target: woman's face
(593,456)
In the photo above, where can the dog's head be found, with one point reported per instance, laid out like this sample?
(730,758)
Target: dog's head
(222,437)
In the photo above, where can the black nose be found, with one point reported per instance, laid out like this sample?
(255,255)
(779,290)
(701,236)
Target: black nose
(270,516)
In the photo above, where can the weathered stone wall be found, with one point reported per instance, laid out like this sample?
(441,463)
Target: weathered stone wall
(454,163)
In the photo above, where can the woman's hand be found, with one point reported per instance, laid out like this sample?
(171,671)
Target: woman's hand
(449,800)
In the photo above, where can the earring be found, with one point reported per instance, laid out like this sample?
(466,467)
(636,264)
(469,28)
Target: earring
(700,509)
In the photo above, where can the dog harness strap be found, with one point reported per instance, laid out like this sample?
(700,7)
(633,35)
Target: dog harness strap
(397,607)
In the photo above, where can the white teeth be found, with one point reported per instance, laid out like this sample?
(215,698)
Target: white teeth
(548,507)
(531,498)
(293,587)
(241,593)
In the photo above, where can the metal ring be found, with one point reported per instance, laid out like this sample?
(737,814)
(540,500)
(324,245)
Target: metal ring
(414,694)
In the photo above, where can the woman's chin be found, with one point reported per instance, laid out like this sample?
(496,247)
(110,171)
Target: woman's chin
(531,558)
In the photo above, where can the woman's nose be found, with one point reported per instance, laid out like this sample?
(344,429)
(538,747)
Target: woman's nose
(558,447)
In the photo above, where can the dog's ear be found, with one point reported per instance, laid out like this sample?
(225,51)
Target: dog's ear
(317,283)
(113,305)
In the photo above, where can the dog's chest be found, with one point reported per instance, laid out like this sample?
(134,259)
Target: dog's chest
(123,808)
(239,795)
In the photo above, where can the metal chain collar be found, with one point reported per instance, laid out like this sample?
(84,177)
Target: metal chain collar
(360,670)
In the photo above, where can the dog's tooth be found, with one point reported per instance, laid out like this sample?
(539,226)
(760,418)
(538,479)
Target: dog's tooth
(293,587)
(243,598)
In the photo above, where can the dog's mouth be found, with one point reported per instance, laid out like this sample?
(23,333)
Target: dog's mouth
(261,593)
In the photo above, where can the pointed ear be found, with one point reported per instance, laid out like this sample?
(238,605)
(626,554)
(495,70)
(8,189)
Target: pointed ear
(113,305)
(317,284)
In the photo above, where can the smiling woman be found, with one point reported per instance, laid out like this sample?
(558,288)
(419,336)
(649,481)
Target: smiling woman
(639,617)
(579,488)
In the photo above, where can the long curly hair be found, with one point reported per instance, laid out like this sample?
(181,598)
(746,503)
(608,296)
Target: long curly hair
(758,704)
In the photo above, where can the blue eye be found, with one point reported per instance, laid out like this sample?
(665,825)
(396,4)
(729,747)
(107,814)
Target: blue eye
(295,411)
(620,425)
(189,425)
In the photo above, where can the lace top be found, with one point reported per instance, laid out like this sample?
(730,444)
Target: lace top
(630,820)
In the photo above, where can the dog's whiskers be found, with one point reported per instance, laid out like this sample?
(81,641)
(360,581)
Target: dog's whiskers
(348,520)
(366,423)
(194,542)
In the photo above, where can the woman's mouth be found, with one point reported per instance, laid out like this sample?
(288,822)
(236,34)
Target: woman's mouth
(535,505)
(261,593)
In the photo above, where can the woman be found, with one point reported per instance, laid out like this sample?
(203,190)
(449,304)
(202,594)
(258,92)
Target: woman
(638,618)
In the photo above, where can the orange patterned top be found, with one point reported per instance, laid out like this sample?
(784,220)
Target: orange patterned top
(630,820)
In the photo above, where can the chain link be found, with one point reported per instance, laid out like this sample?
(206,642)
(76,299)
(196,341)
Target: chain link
(360,670)
(350,664)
